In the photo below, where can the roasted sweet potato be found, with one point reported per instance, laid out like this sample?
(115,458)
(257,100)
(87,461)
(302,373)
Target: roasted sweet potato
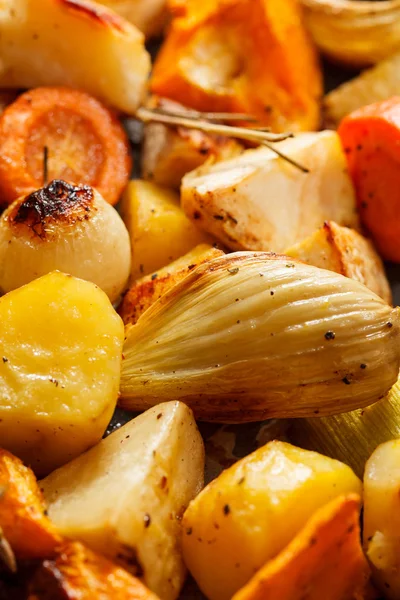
(22,511)
(149,289)
(344,251)
(250,56)
(171,152)
(78,573)
(325,560)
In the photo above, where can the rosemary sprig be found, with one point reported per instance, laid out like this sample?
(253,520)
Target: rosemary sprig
(207,116)
(258,135)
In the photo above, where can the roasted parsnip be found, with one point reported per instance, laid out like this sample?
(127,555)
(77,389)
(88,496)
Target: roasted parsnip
(258,201)
(67,228)
(248,336)
(344,251)
(147,290)
(160,231)
(60,360)
(382,517)
(125,497)
(253,510)
(104,56)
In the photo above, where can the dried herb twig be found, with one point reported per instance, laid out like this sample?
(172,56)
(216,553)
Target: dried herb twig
(206,116)
(258,135)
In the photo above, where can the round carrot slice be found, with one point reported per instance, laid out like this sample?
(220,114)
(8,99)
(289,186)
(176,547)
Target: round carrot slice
(86,144)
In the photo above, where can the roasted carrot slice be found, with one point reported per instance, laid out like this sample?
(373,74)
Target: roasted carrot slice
(371,140)
(86,144)
(22,511)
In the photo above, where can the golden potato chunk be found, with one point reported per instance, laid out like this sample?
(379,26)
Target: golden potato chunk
(125,497)
(60,360)
(253,510)
(344,251)
(171,152)
(382,517)
(77,572)
(325,560)
(23,519)
(160,231)
(149,16)
(149,289)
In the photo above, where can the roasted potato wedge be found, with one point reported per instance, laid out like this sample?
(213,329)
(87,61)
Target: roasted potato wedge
(382,517)
(149,289)
(125,497)
(60,360)
(149,16)
(104,56)
(376,84)
(258,201)
(325,560)
(344,251)
(160,231)
(253,510)
(23,519)
(171,152)
(77,572)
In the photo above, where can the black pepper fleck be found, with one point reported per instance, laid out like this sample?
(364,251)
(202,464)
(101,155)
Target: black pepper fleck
(226,509)
(363,366)
(330,335)
(147,520)
(346,380)
(154,276)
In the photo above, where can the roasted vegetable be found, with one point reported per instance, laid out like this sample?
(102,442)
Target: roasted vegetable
(258,201)
(65,227)
(250,56)
(247,336)
(160,232)
(325,560)
(344,251)
(76,43)
(60,360)
(253,510)
(381,517)
(374,85)
(171,152)
(351,437)
(125,497)
(357,33)
(371,140)
(77,572)
(149,16)
(23,519)
(149,289)
(86,144)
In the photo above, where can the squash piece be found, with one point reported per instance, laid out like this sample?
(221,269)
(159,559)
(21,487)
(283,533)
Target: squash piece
(160,231)
(60,361)
(382,517)
(171,152)
(23,517)
(125,497)
(258,201)
(344,251)
(325,560)
(77,572)
(253,510)
(105,55)
(251,56)
(149,289)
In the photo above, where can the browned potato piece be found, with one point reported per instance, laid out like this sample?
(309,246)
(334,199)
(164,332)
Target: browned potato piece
(344,251)
(171,152)
(149,289)
(22,511)
(78,573)
(325,560)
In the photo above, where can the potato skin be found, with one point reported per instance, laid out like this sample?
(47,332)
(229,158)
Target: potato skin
(253,510)
(76,572)
(23,517)
(60,361)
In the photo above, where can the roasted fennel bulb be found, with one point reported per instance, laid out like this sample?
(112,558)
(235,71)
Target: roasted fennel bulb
(353,436)
(249,336)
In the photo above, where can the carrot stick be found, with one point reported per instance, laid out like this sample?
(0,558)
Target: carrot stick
(371,141)
(86,144)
